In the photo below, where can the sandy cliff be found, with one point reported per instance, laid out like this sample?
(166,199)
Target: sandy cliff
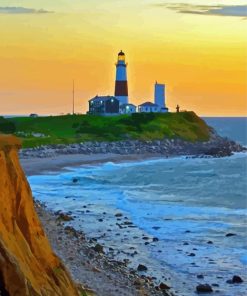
(28,265)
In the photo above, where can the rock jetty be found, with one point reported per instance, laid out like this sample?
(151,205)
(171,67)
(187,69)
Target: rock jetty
(216,147)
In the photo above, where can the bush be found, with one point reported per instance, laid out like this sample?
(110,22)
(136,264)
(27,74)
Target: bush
(6,126)
(75,125)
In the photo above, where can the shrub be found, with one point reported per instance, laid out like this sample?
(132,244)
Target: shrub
(6,126)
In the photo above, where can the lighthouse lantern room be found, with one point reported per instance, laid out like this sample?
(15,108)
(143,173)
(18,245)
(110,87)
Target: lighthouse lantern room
(121,84)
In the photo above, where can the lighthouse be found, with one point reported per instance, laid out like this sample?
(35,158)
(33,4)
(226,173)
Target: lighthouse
(121,84)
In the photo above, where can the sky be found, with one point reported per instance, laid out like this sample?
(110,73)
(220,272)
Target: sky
(198,48)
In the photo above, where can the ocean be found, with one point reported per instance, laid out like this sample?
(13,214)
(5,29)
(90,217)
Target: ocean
(180,209)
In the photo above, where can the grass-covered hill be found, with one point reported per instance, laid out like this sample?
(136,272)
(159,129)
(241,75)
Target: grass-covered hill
(79,128)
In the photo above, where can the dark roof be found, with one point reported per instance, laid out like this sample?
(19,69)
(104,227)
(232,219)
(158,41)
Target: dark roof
(125,105)
(148,104)
(102,98)
(121,53)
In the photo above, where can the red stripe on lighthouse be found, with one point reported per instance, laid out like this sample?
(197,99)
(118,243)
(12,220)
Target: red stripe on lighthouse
(121,88)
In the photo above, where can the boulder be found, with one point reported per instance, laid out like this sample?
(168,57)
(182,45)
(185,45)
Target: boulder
(65,217)
(164,286)
(230,234)
(98,248)
(142,267)
(236,279)
(204,288)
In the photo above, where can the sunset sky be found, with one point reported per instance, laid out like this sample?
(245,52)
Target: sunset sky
(197,48)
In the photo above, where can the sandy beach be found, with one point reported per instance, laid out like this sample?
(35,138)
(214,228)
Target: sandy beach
(55,157)
(35,165)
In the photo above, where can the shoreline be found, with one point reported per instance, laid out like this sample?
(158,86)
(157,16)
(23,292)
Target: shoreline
(56,157)
(36,166)
(88,264)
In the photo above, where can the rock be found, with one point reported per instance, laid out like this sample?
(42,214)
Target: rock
(95,269)
(204,288)
(71,230)
(98,248)
(163,286)
(127,223)
(235,280)
(64,217)
(142,267)
(230,234)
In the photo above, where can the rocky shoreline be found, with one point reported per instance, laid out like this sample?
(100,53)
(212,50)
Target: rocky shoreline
(217,146)
(88,263)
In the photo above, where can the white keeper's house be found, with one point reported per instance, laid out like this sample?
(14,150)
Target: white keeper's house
(148,107)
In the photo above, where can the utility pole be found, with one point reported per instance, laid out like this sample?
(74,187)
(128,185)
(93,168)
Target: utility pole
(73,98)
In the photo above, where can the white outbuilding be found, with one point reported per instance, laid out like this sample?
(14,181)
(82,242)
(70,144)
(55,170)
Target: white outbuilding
(148,107)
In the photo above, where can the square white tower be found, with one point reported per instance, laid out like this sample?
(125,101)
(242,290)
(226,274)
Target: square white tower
(159,95)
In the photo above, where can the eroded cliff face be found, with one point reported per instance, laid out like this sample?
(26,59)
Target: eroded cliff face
(28,265)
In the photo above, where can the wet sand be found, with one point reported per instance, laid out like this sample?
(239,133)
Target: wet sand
(36,166)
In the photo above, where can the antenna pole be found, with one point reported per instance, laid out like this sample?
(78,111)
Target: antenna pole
(73,97)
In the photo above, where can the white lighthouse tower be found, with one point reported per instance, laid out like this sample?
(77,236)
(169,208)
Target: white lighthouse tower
(121,84)
(159,94)
(160,97)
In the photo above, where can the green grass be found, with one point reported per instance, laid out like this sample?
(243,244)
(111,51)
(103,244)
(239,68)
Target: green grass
(80,128)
